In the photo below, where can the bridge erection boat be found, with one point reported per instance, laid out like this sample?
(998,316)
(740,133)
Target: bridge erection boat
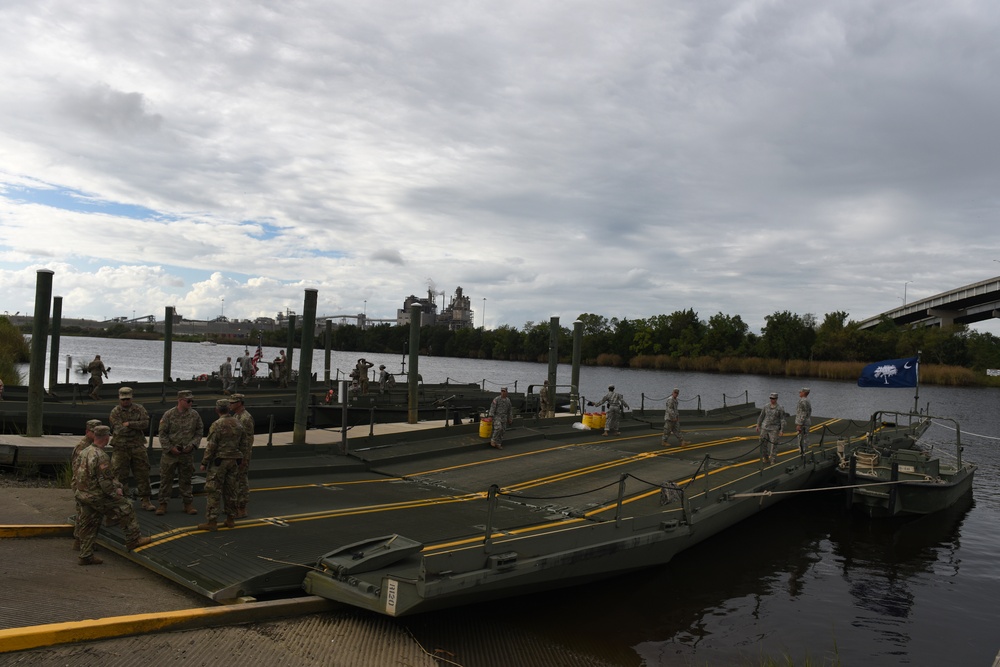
(887,477)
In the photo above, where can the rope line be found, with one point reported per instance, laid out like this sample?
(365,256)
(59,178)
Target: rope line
(831,488)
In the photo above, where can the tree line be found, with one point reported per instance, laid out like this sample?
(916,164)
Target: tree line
(788,343)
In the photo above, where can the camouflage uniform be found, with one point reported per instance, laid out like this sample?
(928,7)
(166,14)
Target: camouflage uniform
(362,369)
(544,401)
(129,442)
(97,374)
(180,432)
(99,494)
(227,441)
(616,405)
(243,492)
(770,423)
(85,441)
(803,419)
(672,420)
(226,372)
(502,413)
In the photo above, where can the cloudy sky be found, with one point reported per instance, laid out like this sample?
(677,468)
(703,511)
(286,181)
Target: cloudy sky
(626,159)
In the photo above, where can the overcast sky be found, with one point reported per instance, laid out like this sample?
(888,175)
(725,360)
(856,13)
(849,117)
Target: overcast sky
(553,158)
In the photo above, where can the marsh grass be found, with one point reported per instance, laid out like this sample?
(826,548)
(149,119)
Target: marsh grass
(936,374)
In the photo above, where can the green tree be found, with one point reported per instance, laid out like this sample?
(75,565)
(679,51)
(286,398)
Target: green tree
(786,336)
(724,336)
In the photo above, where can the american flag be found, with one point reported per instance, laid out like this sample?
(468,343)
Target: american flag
(257,356)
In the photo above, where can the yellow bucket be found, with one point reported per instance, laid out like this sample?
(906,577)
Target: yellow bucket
(588,420)
(600,419)
(486,428)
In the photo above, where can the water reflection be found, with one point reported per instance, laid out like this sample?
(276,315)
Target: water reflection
(765,586)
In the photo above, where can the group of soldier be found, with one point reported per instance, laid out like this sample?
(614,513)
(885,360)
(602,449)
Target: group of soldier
(99,480)
(770,422)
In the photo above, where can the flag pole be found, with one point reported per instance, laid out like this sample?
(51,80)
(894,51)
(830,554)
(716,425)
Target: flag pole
(916,385)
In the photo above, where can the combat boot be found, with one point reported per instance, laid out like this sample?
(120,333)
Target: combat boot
(211,525)
(138,542)
(230,521)
(189,509)
(161,510)
(90,560)
(146,505)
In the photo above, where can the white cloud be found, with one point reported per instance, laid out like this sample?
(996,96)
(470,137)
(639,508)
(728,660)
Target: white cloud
(626,159)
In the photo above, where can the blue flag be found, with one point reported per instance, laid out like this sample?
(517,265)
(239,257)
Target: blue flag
(890,373)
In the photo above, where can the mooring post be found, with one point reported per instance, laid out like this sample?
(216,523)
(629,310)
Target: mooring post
(574,382)
(168,348)
(305,367)
(553,365)
(412,416)
(39,340)
(54,354)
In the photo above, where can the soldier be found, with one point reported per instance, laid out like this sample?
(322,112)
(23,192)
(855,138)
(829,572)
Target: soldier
(226,372)
(769,425)
(86,441)
(362,369)
(100,494)
(803,418)
(227,440)
(129,423)
(384,378)
(181,429)
(545,401)
(502,413)
(672,419)
(616,405)
(97,372)
(239,410)
(245,364)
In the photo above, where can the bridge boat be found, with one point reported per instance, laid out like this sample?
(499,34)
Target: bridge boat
(897,477)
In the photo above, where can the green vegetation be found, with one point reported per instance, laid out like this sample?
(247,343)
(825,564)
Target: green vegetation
(14,350)
(788,345)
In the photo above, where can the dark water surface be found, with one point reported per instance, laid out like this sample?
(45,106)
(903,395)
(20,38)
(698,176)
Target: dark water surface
(804,579)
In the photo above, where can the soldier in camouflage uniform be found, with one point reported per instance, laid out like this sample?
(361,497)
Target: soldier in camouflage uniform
(238,409)
(98,372)
(129,422)
(227,441)
(616,405)
(181,429)
(86,441)
(100,494)
(672,419)
(502,413)
(770,423)
(803,418)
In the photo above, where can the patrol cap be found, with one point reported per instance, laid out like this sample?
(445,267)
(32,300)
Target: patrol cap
(91,423)
(774,394)
(125,392)
(611,387)
(222,404)
(185,393)
(102,430)
(236,398)
(804,390)
(503,388)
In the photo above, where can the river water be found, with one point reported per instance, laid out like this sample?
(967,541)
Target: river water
(804,580)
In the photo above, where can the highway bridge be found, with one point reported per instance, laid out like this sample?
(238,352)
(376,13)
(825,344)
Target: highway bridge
(962,305)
